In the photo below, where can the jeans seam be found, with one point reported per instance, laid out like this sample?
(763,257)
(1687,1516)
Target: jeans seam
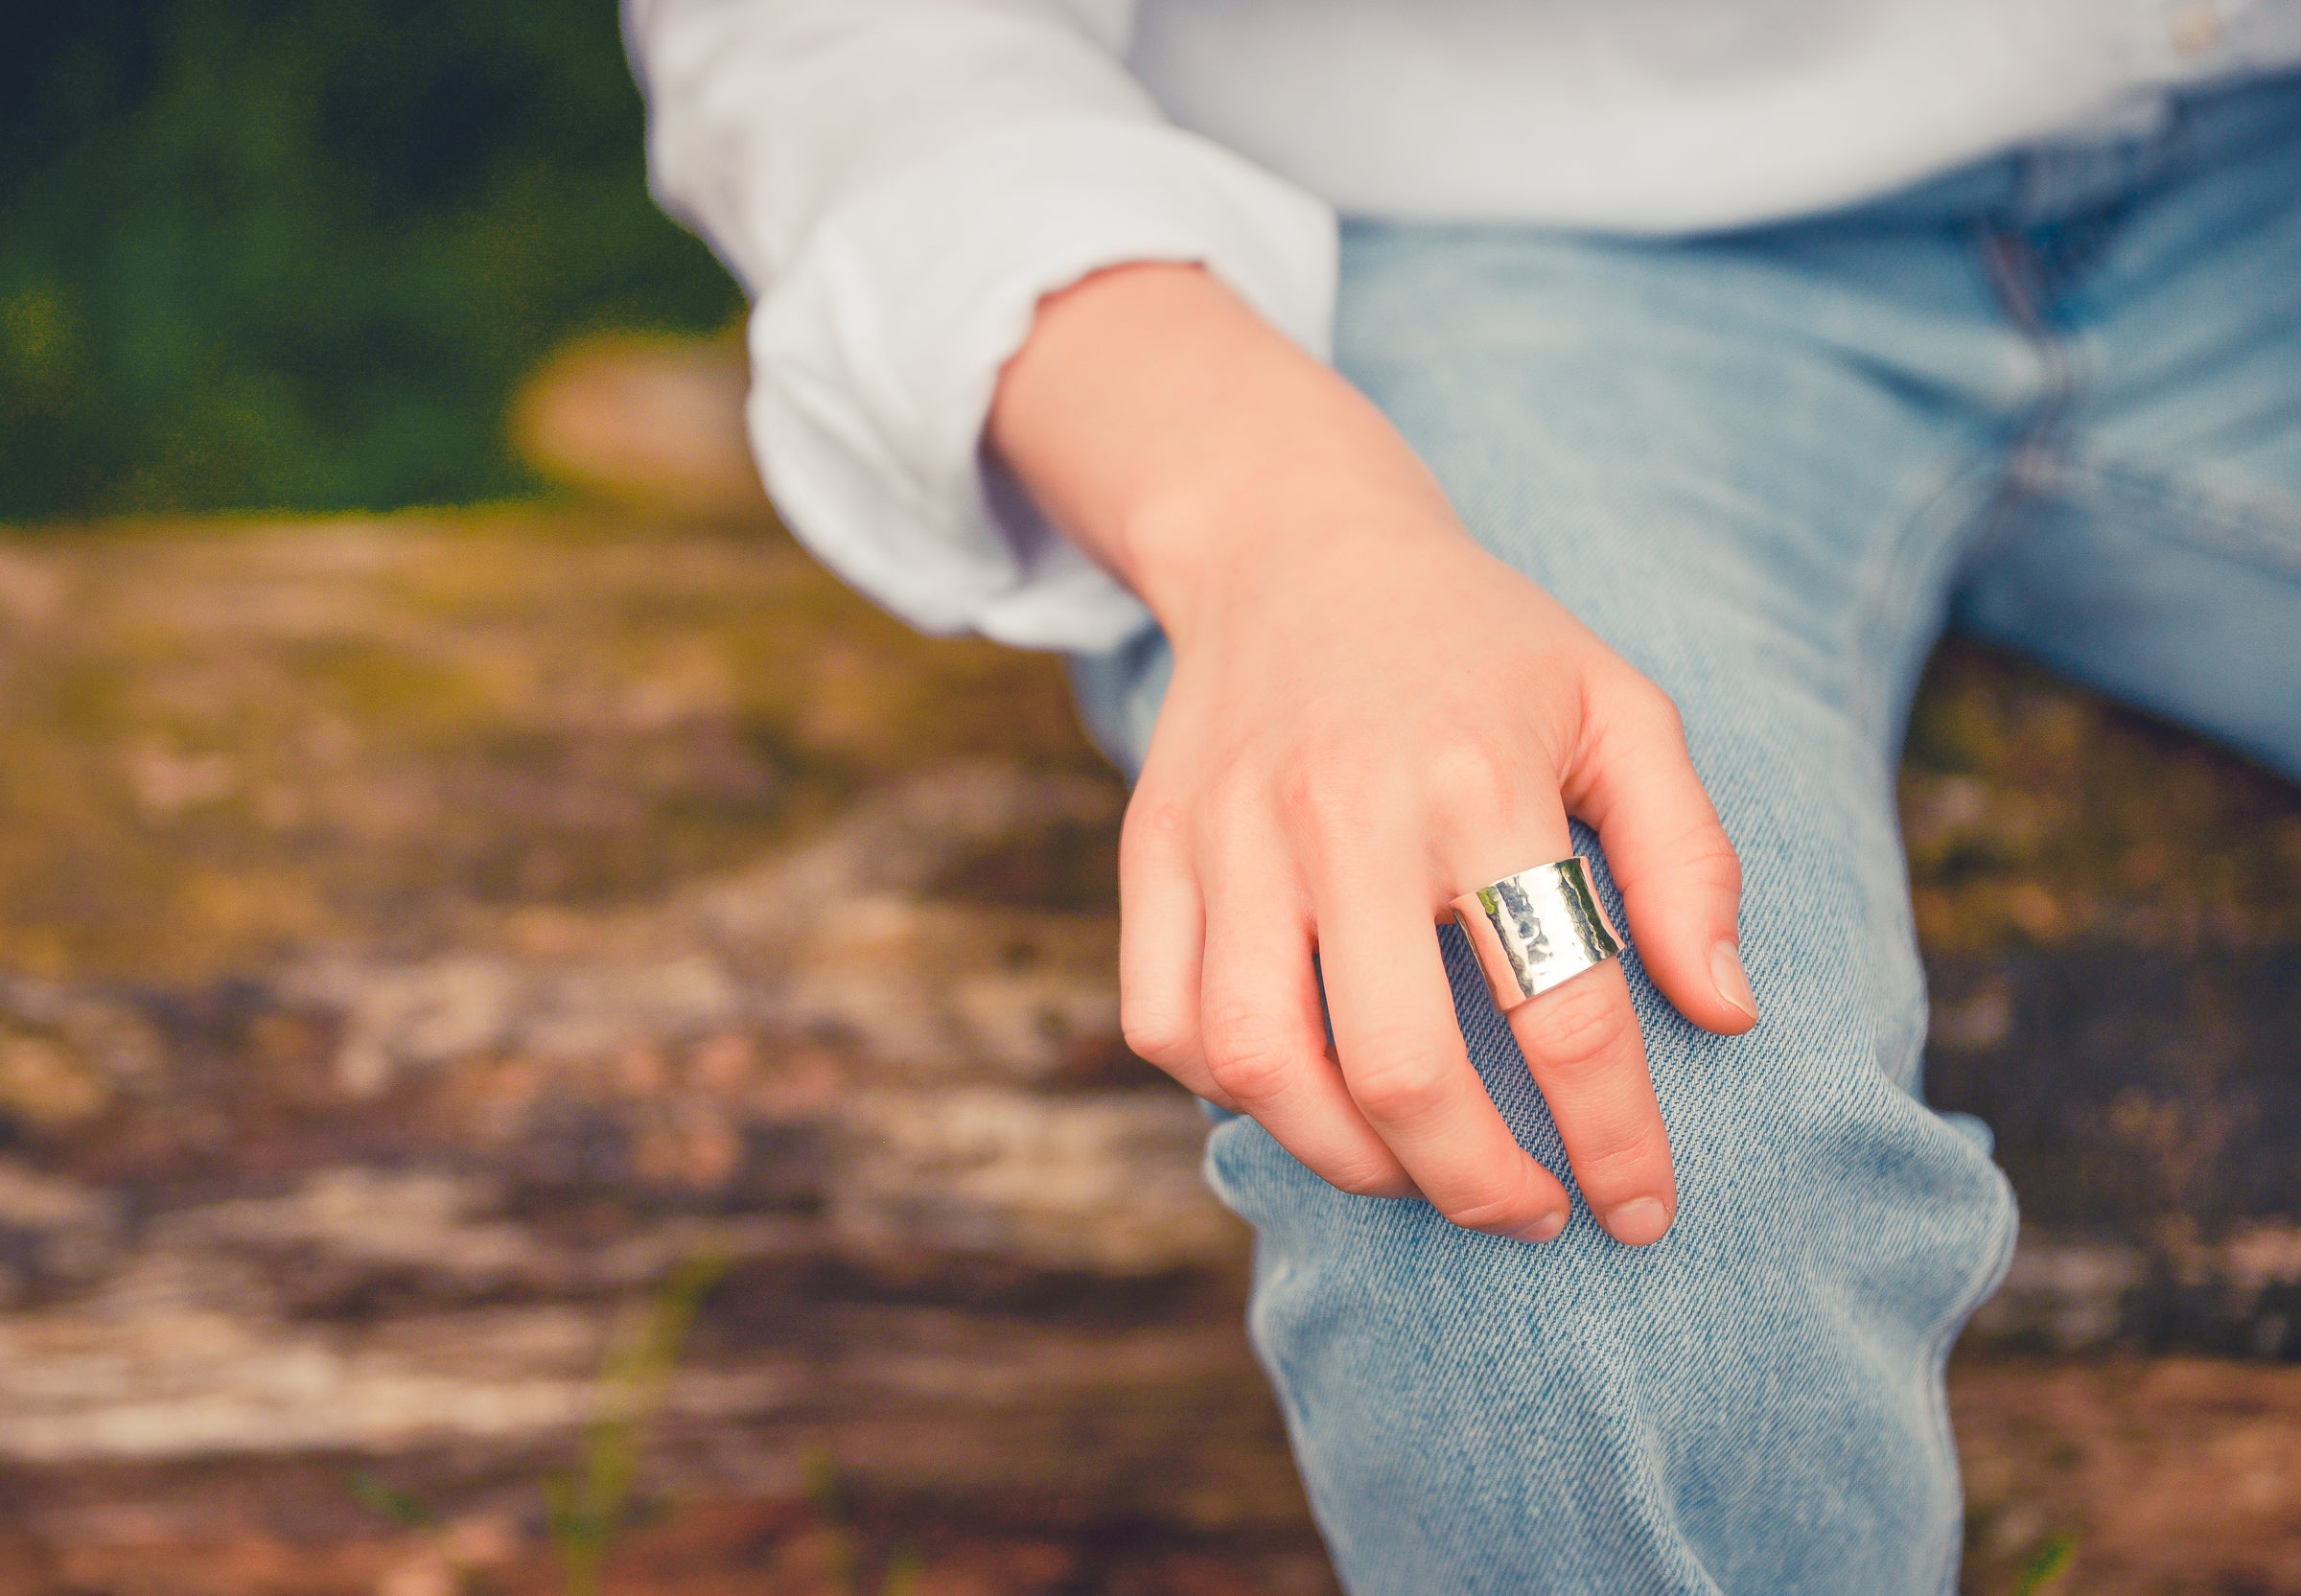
(1973,498)
(1970,497)
(2189,513)
(2011,268)
(1978,500)
(1978,1289)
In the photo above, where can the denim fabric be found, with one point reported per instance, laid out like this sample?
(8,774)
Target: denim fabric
(2054,400)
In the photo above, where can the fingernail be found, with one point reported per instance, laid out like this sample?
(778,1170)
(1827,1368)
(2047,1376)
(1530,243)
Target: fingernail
(1546,1228)
(1731,980)
(1637,1221)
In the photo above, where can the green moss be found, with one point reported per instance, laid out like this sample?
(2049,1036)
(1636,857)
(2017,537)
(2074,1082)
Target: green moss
(2036,814)
(262,254)
(235,739)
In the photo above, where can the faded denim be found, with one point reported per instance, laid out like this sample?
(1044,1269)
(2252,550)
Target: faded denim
(2053,400)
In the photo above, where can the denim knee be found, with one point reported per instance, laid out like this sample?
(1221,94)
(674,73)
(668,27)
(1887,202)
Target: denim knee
(1644,1418)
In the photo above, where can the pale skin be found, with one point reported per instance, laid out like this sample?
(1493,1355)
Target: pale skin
(1332,766)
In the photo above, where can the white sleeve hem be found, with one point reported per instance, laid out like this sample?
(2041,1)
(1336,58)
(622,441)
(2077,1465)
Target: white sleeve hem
(874,357)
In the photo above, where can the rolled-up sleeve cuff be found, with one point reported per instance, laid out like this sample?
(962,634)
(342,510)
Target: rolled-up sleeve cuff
(875,354)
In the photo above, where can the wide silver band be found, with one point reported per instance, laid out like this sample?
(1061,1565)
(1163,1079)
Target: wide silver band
(1536,929)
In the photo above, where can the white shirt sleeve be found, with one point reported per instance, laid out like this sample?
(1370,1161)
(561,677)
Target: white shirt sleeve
(898,183)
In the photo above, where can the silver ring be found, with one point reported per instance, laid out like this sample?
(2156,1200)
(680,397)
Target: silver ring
(1536,930)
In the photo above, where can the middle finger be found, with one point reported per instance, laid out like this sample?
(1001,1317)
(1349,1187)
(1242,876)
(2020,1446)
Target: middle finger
(1404,1060)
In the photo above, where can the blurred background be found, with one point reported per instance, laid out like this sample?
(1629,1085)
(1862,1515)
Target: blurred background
(545,1047)
(263,255)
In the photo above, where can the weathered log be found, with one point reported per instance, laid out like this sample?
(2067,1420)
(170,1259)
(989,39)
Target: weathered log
(417,938)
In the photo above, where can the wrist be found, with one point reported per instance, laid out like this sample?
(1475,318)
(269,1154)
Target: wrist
(1194,451)
(1206,545)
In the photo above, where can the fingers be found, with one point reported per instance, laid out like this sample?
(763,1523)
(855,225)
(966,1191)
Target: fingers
(1162,931)
(1680,881)
(1403,1058)
(1263,1029)
(1223,997)
(1219,985)
(1581,1039)
(1582,1042)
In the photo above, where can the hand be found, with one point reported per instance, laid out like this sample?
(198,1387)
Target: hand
(1334,763)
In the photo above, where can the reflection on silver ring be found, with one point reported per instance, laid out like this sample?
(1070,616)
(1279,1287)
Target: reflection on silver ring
(1536,929)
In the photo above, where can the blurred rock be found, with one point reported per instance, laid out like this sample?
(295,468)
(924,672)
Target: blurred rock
(1108,1182)
(654,423)
(55,1235)
(581,901)
(155,1377)
(371,1219)
(2239,1295)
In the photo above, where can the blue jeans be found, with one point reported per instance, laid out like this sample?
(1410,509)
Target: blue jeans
(2053,400)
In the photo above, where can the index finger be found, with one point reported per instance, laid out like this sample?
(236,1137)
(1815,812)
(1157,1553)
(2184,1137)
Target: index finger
(1403,1061)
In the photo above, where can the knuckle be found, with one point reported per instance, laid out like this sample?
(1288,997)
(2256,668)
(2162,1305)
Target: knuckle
(1582,1031)
(1156,1032)
(1235,788)
(1698,854)
(1154,826)
(1248,1077)
(1475,779)
(1303,801)
(1369,1178)
(1663,710)
(1503,1209)
(1708,858)
(1326,793)
(1400,1083)
(1249,1056)
(1621,1162)
(1635,701)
